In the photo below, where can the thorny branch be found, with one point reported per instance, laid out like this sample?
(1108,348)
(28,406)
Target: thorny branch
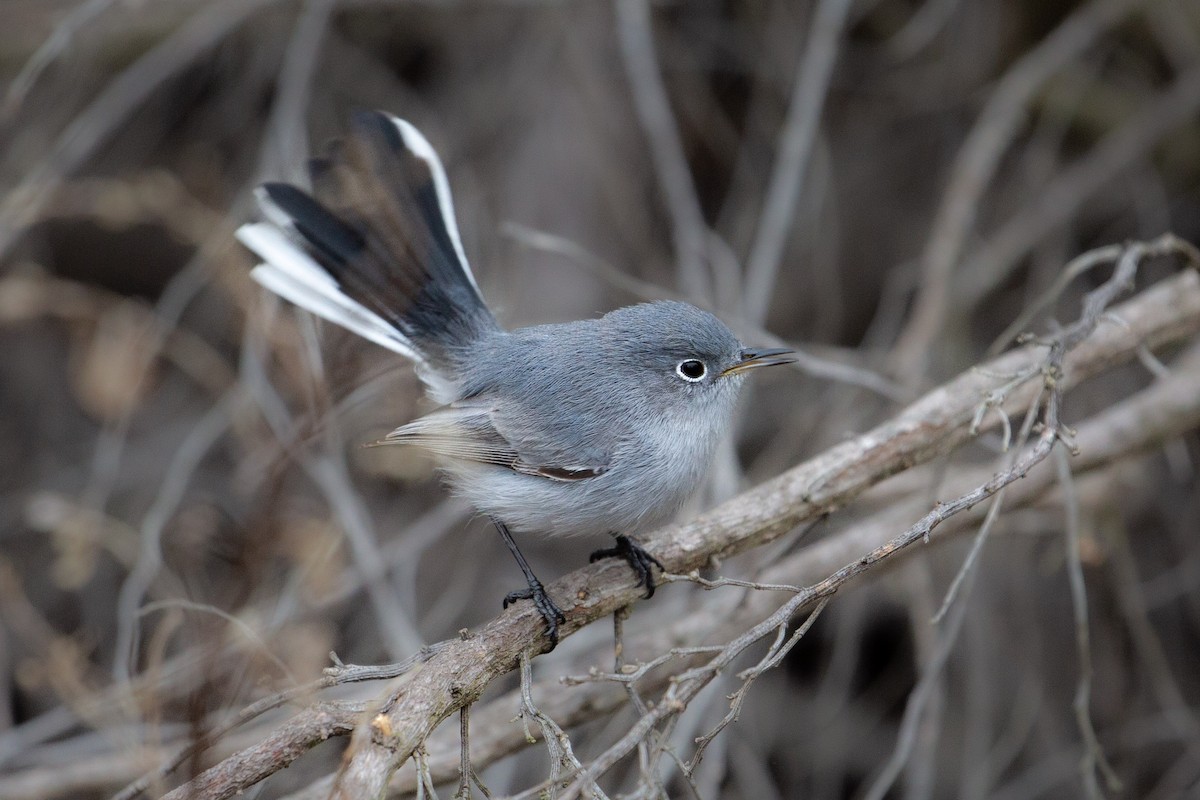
(455,673)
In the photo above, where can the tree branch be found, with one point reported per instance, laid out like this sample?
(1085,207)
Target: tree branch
(458,672)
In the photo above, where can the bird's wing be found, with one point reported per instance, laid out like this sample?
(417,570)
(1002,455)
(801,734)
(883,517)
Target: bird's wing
(467,431)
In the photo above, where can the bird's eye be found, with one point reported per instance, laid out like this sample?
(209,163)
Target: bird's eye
(691,370)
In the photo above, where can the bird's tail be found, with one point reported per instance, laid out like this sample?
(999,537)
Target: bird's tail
(375,246)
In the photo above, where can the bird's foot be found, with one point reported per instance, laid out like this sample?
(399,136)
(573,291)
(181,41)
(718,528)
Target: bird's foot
(545,606)
(639,560)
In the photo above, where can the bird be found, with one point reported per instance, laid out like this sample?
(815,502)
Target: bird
(596,426)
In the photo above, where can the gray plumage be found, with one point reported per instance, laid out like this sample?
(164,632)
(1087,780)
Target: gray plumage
(586,427)
(595,426)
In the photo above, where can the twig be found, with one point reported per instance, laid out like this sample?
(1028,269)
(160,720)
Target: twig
(922,27)
(1093,754)
(631,674)
(1169,310)
(424,779)
(1151,650)
(1059,200)
(978,159)
(328,470)
(923,694)
(192,449)
(635,700)
(286,140)
(968,565)
(330,473)
(464,735)
(706,583)
(689,231)
(58,41)
(1076,267)
(824,368)
(773,657)
(283,746)
(687,685)
(91,128)
(561,753)
(248,632)
(811,83)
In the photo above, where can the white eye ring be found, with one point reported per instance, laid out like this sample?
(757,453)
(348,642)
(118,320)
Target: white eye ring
(687,369)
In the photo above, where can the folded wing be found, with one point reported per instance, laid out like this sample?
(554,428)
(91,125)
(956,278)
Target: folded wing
(468,432)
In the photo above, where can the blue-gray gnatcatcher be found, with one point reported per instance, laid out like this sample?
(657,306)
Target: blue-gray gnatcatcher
(597,426)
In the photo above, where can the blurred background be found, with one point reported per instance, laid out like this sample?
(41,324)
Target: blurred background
(188,520)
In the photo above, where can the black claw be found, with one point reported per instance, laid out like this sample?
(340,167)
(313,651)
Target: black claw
(638,558)
(545,606)
(536,592)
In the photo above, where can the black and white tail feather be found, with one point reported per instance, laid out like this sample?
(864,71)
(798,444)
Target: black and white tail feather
(540,428)
(375,248)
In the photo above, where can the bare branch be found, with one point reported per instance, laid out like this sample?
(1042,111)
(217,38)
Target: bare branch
(795,143)
(457,674)
(689,231)
(1093,755)
(978,159)
(91,128)
(1060,199)
(287,743)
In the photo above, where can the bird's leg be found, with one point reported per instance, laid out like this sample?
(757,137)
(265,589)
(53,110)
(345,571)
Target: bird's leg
(638,559)
(536,592)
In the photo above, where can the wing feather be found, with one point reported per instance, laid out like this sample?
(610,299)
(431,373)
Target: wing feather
(467,432)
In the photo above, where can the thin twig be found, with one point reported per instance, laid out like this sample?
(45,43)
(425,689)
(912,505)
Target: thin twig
(1144,421)
(968,565)
(1059,200)
(823,368)
(707,583)
(56,43)
(771,510)
(774,656)
(191,450)
(635,699)
(464,735)
(91,128)
(1093,754)
(555,738)
(978,160)
(689,231)
(796,139)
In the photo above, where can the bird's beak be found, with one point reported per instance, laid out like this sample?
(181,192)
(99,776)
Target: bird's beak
(752,359)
